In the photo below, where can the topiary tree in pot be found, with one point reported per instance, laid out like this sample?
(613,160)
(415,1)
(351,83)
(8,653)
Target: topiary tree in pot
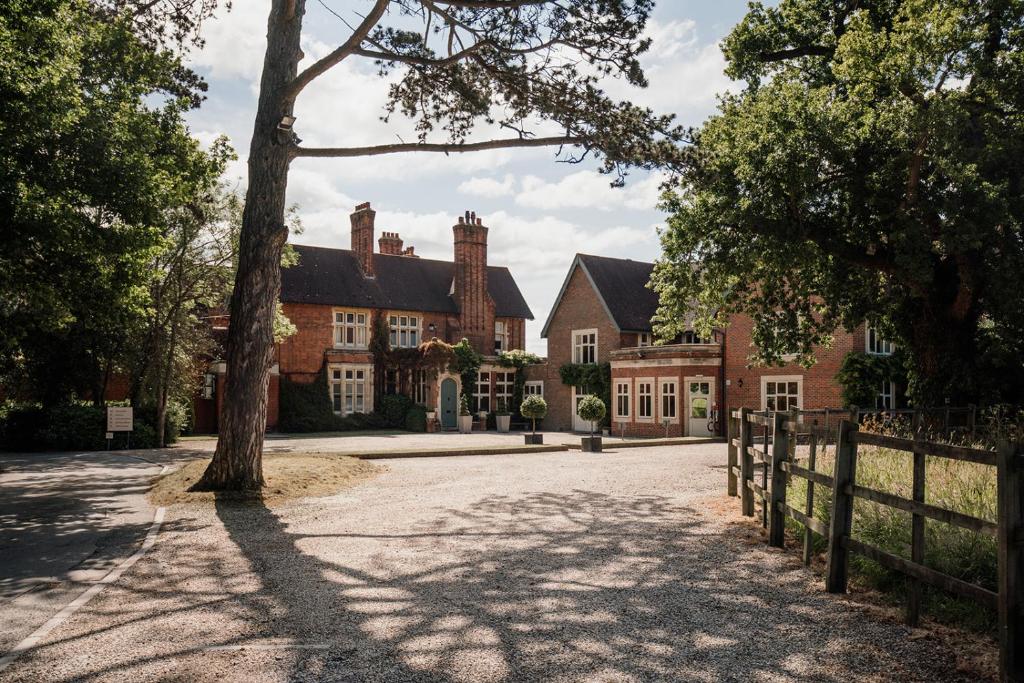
(592,409)
(535,408)
(465,417)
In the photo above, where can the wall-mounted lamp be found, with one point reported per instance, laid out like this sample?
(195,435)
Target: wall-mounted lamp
(739,382)
(432,328)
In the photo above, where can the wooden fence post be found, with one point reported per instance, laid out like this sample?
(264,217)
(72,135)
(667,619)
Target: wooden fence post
(730,434)
(916,540)
(777,494)
(972,419)
(842,509)
(746,464)
(809,507)
(1010,478)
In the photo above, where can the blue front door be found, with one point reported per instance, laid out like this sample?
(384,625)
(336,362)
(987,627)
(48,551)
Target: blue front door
(449,403)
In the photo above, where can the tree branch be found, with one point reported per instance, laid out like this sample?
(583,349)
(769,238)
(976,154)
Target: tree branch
(343,51)
(793,52)
(446,148)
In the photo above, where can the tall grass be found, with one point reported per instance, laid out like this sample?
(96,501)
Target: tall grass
(964,487)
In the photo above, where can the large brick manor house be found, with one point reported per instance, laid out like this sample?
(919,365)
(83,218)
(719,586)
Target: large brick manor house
(602,314)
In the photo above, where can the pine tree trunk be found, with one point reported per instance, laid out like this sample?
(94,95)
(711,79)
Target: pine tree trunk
(237,463)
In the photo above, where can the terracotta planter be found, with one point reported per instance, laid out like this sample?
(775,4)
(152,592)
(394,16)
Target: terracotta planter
(504,422)
(533,439)
(591,444)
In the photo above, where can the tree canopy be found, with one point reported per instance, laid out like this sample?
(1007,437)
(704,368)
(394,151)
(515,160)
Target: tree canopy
(869,169)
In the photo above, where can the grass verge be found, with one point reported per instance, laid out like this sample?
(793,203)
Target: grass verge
(288,476)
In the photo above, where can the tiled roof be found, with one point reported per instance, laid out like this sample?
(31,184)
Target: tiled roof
(622,284)
(332,277)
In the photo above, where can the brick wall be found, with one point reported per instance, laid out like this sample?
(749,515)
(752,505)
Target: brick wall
(819,387)
(579,308)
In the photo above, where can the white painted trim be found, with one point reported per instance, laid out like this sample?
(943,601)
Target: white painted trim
(653,381)
(572,341)
(666,362)
(334,327)
(628,381)
(662,381)
(367,390)
(685,390)
(535,383)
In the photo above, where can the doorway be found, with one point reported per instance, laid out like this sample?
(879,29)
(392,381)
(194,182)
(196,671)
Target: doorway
(700,400)
(449,403)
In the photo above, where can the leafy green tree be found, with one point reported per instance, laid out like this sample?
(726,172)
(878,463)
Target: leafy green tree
(870,169)
(531,68)
(94,159)
(592,409)
(534,408)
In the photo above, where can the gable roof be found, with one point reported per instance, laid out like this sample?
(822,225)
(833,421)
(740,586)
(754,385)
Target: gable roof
(332,277)
(621,286)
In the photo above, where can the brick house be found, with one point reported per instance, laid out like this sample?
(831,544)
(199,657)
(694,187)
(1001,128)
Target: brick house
(333,295)
(603,314)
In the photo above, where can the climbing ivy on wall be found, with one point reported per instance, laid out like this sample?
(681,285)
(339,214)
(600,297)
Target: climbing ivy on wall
(520,360)
(861,376)
(596,378)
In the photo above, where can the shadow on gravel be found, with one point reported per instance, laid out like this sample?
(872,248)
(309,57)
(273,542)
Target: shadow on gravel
(569,586)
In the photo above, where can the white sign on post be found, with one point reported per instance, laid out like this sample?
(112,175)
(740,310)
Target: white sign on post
(119,419)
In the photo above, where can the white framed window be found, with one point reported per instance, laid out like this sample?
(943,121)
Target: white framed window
(209,386)
(781,392)
(644,339)
(886,396)
(645,399)
(503,383)
(405,331)
(350,387)
(534,388)
(875,345)
(584,346)
(622,398)
(482,392)
(668,400)
(420,388)
(350,329)
(500,336)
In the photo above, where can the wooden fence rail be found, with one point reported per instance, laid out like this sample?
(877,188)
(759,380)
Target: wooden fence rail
(775,457)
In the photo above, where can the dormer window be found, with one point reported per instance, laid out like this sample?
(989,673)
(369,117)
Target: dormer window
(644,339)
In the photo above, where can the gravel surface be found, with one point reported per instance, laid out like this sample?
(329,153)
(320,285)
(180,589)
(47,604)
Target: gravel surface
(559,566)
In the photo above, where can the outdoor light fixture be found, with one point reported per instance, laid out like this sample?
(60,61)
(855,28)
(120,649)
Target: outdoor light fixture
(432,327)
(286,123)
(739,382)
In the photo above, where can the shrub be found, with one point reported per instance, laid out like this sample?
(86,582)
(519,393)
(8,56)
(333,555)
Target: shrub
(534,408)
(78,427)
(306,406)
(592,409)
(416,419)
(394,408)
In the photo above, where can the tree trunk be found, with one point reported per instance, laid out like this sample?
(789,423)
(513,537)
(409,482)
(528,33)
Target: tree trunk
(237,463)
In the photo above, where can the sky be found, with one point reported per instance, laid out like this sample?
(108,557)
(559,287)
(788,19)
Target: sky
(540,212)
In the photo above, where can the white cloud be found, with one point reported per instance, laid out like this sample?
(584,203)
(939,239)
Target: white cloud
(235,42)
(589,189)
(488,187)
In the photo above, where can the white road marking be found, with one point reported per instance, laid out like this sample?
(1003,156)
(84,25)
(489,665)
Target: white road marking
(60,617)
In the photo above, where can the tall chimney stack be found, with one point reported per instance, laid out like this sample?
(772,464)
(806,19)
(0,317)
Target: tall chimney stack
(390,243)
(362,237)
(476,310)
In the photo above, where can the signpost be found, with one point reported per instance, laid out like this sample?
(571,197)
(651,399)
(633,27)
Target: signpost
(119,419)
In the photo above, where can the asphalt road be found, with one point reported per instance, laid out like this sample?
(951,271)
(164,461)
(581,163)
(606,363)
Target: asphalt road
(66,520)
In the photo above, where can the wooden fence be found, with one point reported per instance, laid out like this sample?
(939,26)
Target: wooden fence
(761,452)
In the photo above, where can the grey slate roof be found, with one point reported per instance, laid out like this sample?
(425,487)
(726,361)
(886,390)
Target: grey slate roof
(621,284)
(332,277)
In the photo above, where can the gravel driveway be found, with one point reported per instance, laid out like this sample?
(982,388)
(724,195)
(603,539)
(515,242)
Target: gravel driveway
(560,566)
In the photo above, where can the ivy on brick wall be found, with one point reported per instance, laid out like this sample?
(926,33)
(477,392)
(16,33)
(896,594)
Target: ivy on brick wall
(861,376)
(520,360)
(466,363)
(595,378)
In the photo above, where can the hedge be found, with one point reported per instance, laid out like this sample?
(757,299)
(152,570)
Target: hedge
(80,427)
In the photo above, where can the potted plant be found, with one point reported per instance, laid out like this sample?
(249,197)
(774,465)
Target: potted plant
(465,417)
(535,408)
(592,409)
(502,418)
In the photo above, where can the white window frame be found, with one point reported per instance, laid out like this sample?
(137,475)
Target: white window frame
(420,387)
(345,320)
(662,395)
(620,394)
(481,400)
(875,345)
(650,395)
(343,380)
(534,388)
(500,336)
(580,342)
(787,379)
(691,337)
(405,330)
(886,398)
(504,384)
(644,339)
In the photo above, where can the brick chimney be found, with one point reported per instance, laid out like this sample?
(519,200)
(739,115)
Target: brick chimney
(410,251)
(362,237)
(476,310)
(390,243)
